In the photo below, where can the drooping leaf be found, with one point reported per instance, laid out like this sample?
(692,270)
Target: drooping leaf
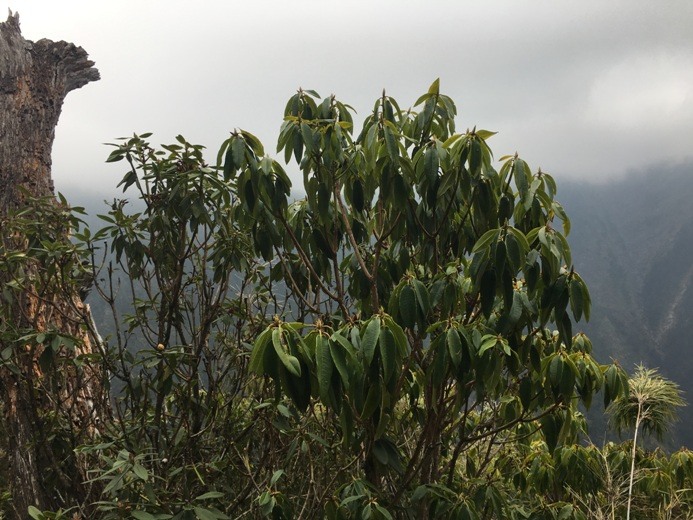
(399,336)
(257,355)
(370,339)
(391,144)
(371,403)
(340,363)
(576,303)
(520,177)
(290,362)
(454,346)
(388,353)
(324,366)
(488,292)
(407,306)
(431,163)
(486,240)
(422,297)
(138,515)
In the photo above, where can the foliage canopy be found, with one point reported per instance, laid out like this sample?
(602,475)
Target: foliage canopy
(397,342)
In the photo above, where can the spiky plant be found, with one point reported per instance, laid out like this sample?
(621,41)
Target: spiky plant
(651,405)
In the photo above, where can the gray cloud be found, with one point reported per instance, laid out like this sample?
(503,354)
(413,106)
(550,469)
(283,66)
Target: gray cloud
(585,90)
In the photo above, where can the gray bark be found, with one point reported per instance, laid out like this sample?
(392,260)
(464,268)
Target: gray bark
(35,77)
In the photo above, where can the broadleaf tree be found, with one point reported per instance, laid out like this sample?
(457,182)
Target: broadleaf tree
(435,295)
(393,338)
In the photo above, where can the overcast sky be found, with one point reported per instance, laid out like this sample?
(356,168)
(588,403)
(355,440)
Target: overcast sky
(585,90)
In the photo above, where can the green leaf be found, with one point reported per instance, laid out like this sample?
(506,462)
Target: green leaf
(323,359)
(276,476)
(514,252)
(431,163)
(474,157)
(488,292)
(576,303)
(211,495)
(357,195)
(525,392)
(391,144)
(237,150)
(139,515)
(485,240)
(141,472)
(556,370)
(307,135)
(400,337)
(384,513)
(206,514)
(290,362)
(485,134)
(258,353)
(338,354)
(371,403)
(422,297)
(254,142)
(488,342)
(37,514)
(407,306)
(370,339)
(388,353)
(435,87)
(454,346)
(519,172)
(516,310)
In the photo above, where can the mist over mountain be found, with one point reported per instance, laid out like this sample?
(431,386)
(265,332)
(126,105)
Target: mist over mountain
(632,241)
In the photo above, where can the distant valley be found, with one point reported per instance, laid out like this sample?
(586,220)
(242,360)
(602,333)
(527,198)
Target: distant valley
(632,240)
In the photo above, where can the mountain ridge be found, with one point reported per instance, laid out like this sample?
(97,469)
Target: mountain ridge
(632,242)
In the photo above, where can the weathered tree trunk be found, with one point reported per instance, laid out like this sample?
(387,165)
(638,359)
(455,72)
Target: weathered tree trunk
(35,77)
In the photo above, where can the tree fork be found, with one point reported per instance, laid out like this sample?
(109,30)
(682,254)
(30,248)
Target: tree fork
(35,77)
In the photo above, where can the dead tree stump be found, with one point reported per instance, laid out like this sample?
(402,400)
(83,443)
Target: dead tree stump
(35,77)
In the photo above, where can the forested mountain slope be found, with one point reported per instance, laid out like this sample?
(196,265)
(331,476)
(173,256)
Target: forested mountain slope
(632,240)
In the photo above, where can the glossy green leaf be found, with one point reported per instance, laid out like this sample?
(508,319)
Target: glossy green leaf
(556,367)
(388,353)
(399,336)
(290,362)
(357,197)
(422,296)
(391,144)
(140,471)
(372,401)
(210,495)
(486,240)
(454,346)
(339,358)
(576,303)
(257,355)
(370,339)
(520,177)
(431,163)
(137,515)
(324,366)
(487,343)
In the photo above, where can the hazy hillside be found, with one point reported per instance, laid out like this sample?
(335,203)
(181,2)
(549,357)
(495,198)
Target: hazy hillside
(632,241)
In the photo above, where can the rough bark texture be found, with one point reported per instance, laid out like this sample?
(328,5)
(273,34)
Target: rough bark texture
(35,77)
